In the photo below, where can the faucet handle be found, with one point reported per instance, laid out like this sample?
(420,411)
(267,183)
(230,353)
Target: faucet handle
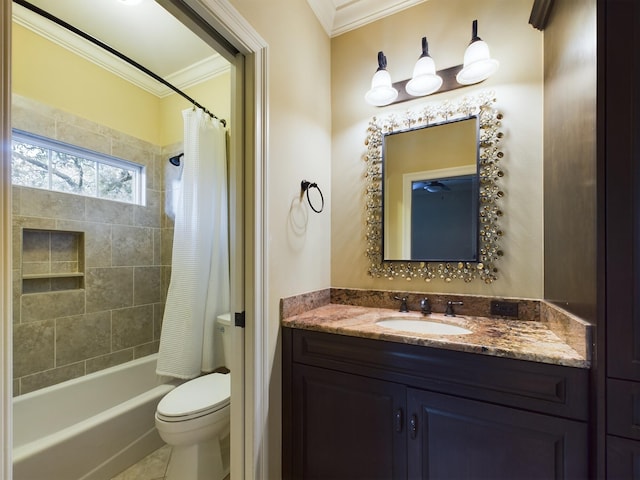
(403,303)
(425,308)
(450,312)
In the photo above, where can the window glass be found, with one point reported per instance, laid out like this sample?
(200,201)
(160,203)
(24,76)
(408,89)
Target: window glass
(41,162)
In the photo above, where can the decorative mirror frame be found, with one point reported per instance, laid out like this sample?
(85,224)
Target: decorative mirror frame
(489,123)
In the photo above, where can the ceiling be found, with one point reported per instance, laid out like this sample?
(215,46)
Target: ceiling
(151,36)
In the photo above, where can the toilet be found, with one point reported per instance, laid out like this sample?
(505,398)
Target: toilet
(194,418)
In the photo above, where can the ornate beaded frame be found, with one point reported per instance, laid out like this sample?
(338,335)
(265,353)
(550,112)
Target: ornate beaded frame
(490,192)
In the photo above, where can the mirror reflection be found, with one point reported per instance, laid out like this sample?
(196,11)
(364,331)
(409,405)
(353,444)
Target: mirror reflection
(431,192)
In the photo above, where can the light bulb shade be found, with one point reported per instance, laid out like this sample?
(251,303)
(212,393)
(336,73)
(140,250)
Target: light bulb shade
(381,93)
(424,80)
(478,64)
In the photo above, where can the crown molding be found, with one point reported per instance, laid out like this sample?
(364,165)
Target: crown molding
(192,75)
(325,11)
(347,16)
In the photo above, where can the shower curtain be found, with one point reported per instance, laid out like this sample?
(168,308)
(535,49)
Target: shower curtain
(199,286)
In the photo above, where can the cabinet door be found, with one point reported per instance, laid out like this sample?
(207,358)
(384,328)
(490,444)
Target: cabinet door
(451,438)
(623,459)
(346,426)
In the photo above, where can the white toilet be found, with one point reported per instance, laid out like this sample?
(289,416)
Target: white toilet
(194,419)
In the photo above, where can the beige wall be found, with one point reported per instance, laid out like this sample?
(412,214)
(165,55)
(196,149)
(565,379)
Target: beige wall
(518,87)
(299,144)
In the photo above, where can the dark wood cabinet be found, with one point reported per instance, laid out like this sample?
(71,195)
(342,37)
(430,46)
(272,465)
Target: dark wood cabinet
(458,438)
(623,459)
(347,426)
(619,391)
(362,409)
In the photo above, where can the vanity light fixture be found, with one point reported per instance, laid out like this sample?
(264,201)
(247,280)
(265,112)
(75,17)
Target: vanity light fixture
(478,66)
(424,80)
(381,93)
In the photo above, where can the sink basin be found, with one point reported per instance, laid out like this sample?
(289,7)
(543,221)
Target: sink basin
(421,326)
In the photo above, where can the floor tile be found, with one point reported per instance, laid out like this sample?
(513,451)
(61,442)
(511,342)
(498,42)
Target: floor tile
(152,467)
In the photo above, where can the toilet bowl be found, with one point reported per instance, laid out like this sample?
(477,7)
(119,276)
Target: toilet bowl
(194,418)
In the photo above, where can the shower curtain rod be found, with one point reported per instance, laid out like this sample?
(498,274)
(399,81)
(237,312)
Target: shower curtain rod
(115,52)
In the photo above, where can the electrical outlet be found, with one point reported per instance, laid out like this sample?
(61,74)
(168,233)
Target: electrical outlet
(504,309)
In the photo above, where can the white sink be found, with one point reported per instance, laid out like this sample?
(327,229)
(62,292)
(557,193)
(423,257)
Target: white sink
(421,326)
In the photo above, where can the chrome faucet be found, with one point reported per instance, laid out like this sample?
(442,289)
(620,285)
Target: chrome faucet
(403,303)
(450,312)
(425,308)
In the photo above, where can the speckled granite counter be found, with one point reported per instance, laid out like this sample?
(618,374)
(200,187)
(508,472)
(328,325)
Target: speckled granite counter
(519,339)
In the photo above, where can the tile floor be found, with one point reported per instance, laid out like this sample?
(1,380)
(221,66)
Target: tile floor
(152,467)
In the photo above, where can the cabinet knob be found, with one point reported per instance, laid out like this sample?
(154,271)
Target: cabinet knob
(398,420)
(413,426)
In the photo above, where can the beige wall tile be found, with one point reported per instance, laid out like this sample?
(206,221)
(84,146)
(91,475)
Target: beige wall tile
(35,203)
(65,246)
(43,306)
(17,292)
(132,245)
(33,347)
(146,285)
(108,288)
(109,360)
(157,246)
(146,349)
(167,245)
(26,116)
(36,246)
(132,326)
(107,211)
(158,314)
(51,377)
(149,214)
(83,136)
(81,337)
(97,241)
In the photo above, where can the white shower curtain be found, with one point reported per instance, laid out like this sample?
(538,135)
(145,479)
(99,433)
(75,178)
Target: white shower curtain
(199,286)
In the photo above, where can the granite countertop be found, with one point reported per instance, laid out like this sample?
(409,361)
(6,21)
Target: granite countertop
(519,339)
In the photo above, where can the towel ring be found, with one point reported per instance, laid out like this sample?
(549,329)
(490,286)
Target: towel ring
(305,187)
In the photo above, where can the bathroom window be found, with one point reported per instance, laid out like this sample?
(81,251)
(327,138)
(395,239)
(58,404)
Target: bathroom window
(41,162)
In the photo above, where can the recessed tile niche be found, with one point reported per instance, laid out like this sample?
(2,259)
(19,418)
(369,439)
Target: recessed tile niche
(52,260)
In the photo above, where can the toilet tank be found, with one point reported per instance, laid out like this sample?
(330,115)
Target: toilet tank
(223,350)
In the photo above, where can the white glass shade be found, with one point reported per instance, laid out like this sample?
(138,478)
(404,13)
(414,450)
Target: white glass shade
(424,80)
(381,93)
(478,64)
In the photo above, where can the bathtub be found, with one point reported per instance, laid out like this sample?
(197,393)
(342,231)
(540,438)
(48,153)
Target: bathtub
(88,428)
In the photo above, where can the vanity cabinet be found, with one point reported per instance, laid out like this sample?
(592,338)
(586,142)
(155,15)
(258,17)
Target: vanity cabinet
(357,408)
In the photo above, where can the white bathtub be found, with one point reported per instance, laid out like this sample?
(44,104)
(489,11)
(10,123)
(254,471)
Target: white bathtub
(91,427)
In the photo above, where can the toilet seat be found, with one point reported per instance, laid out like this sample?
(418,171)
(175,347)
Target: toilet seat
(195,398)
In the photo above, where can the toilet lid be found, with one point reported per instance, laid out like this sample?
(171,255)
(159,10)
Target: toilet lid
(197,397)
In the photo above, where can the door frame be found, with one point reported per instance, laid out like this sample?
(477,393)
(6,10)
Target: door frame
(249,89)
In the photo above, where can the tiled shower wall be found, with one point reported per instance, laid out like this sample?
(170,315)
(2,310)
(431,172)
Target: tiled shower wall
(112,310)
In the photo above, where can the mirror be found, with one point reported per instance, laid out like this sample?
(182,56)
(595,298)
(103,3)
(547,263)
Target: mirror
(430,192)
(433,192)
